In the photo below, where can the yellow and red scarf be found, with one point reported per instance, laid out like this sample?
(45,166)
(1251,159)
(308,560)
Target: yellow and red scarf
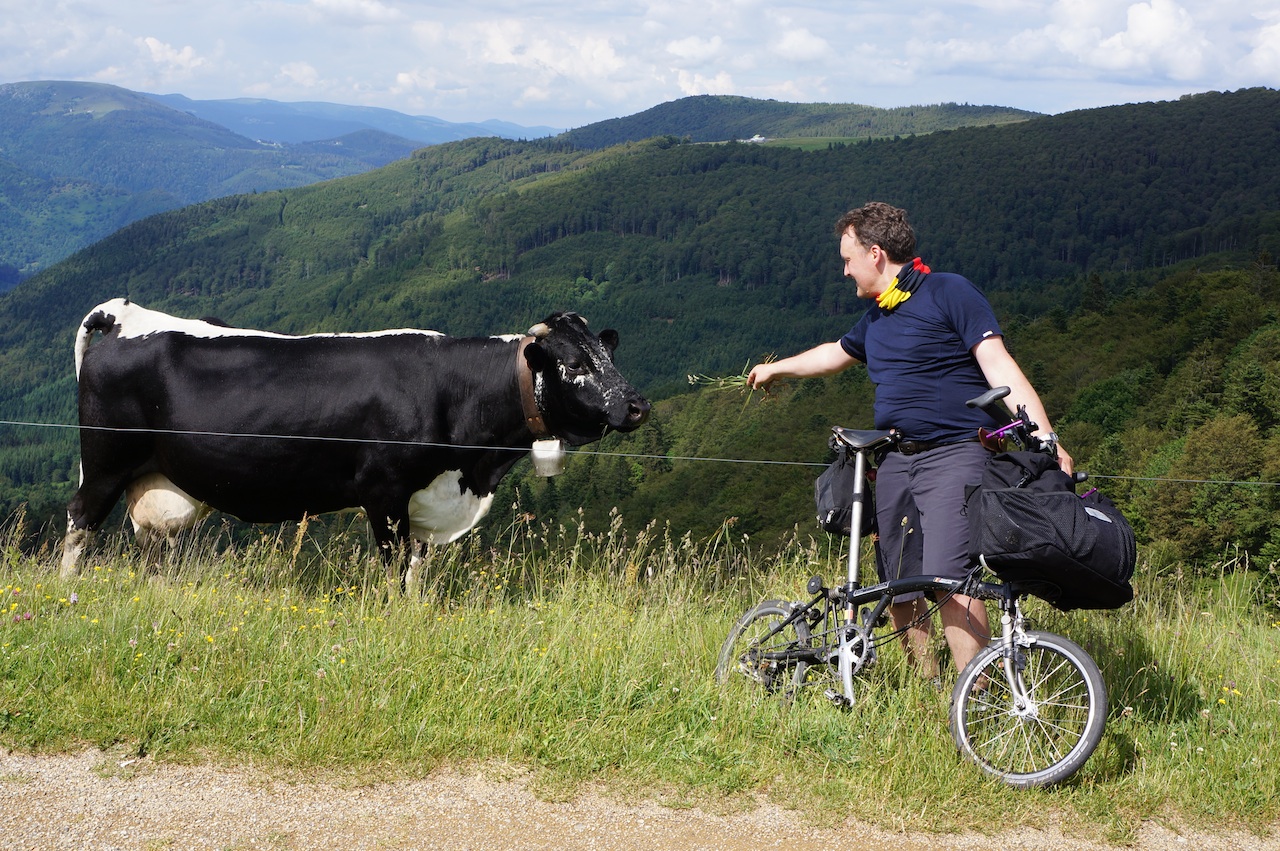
(908,281)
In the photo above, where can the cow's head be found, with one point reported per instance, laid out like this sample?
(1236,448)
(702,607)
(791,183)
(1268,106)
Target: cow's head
(579,391)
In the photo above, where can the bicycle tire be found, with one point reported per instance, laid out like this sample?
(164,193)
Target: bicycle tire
(738,654)
(1046,741)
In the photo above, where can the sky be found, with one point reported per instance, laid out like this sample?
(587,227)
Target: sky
(567,63)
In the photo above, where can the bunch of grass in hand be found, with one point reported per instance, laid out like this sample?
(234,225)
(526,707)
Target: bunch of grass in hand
(728,382)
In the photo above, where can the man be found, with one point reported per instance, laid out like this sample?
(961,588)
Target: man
(930,342)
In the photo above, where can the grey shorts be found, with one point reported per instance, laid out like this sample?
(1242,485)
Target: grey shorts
(920,512)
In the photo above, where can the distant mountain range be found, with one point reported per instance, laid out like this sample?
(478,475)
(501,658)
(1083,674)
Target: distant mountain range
(79,161)
(308,121)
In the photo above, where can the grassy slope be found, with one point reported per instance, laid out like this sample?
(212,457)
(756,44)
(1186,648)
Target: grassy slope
(588,659)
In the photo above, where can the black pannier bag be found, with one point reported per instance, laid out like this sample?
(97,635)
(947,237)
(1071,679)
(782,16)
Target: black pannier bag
(1026,520)
(833,495)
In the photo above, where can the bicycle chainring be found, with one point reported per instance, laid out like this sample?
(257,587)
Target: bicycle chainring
(860,651)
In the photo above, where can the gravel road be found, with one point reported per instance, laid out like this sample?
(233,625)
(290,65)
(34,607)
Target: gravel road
(96,801)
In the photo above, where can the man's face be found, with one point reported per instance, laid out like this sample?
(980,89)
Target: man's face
(861,265)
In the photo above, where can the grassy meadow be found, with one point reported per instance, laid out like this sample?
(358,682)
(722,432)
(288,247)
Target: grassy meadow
(573,657)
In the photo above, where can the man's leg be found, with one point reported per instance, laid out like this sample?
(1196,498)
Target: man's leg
(938,480)
(912,617)
(964,624)
(900,553)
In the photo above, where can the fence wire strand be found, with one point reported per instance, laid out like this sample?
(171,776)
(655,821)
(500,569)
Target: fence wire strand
(576,451)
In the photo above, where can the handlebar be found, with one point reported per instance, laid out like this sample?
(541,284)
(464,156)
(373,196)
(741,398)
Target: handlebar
(1015,429)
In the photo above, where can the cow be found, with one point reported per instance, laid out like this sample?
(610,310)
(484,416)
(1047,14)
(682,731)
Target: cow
(414,428)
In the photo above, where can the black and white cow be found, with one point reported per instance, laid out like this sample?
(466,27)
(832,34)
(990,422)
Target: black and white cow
(414,427)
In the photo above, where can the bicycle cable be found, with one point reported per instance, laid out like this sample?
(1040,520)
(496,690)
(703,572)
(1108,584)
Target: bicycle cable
(933,608)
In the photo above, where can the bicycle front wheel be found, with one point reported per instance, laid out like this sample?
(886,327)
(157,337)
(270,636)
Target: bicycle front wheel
(755,652)
(1035,720)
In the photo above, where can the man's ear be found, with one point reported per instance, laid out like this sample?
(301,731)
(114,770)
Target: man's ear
(610,339)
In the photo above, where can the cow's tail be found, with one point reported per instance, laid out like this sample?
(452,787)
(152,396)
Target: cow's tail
(97,320)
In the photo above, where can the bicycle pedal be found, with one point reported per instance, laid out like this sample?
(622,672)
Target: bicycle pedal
(838,699)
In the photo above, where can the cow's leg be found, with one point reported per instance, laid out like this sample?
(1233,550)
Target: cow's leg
(415,567)
(155,547)
(391,532)
(74,544)
(391,562)
(107,465)
(149,544)
(85,514)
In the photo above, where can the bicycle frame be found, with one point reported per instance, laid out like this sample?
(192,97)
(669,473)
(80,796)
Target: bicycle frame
(855,647)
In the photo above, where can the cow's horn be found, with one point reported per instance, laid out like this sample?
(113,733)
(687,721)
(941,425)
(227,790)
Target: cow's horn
(540,330)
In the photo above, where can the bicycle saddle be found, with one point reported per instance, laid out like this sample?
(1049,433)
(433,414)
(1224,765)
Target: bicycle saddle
(863,439)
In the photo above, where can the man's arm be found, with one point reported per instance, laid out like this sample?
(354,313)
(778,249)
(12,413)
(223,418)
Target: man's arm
(999,368)
(824,359)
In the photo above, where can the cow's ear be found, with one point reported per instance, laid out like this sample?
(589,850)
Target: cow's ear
(610,338)
(536,357)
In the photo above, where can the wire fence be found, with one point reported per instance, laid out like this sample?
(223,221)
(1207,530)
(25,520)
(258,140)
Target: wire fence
(576,451)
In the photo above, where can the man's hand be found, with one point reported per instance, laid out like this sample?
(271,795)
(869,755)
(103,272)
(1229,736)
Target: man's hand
(1065,461)
(761,376)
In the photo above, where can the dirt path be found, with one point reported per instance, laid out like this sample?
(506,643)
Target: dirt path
(95,801)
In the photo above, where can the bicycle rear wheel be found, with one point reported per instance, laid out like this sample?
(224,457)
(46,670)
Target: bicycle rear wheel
(771,661)
(1039,740)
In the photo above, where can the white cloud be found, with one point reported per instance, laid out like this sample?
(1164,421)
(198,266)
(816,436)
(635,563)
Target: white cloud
(534,94)
(169,57)
(568,62)
(697,84)
(695,49)
(356,12)
(1158,40)
(429,34)
(578,57)
(1263,60)
(1159,36)
(800,45)
(300,74)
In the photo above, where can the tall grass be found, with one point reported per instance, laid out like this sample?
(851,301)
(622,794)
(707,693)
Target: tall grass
(586,658)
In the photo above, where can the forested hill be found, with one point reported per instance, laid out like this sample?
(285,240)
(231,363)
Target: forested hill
(80,160)
(720,118)
(708,256)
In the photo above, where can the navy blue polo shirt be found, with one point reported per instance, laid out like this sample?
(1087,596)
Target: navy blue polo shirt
(918,356)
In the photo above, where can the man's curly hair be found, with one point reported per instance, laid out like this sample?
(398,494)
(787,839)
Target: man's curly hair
(881,224)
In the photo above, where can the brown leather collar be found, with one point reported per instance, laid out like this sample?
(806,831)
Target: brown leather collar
(529,402)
